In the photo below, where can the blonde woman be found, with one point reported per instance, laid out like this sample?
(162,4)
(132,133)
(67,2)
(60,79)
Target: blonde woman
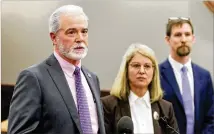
(136,93)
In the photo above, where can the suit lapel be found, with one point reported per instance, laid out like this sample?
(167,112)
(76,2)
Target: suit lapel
(169,75)
(124,108)
(59,79)
(95,90)
(155,113)
(90,83)
(125,111)
(197,87)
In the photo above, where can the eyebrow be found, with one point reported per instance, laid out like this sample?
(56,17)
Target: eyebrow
(182,32)
(71,29)
(139,62)
(134,62)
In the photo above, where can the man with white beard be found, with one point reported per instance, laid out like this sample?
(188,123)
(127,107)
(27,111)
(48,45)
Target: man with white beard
(59,95)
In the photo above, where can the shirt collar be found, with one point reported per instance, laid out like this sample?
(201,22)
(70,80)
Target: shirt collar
(133,98)
(177,66)
(67,67)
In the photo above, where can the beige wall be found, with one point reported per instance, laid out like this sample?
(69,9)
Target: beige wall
(113,26)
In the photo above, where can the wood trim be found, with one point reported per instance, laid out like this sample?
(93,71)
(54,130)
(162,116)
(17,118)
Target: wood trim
(209,5)
(4,126)
(10,85)
(105,90)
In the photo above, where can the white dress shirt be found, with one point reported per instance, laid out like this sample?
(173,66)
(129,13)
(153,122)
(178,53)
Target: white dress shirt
(176,66)
(68,70)
(141,113)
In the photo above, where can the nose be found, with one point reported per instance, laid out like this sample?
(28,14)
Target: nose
(142,70)
(183,38)
(79,37)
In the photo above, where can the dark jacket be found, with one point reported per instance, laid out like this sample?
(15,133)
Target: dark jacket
(115,108)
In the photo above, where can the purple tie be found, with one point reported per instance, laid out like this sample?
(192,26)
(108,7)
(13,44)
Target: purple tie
(187,100)
(82,104)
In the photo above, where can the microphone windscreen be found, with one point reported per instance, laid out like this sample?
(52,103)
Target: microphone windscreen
(125,125)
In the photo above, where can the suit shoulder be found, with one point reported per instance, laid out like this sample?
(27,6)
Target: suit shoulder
(34,68)
(109,101)
(165,103)
(200,68)
(163,63)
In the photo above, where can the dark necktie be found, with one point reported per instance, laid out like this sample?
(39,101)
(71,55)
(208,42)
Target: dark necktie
(187,100)
(82,104)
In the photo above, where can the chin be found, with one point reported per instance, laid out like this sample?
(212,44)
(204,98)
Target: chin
(76,56)
(141,85)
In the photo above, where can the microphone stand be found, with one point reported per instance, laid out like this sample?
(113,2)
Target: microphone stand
(168,126)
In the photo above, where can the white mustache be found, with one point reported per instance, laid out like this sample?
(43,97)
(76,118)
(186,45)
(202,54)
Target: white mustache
(78,45)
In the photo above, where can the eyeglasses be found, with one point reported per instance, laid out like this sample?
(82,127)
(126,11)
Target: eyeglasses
(178,18)
(137,66)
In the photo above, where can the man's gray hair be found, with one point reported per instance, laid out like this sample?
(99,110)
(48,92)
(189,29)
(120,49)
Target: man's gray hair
(72,10)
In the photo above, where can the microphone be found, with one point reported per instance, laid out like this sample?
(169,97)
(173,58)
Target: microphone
(164,121)
(125,125)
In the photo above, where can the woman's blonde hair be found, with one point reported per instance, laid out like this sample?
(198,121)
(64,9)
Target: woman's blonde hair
(121,88)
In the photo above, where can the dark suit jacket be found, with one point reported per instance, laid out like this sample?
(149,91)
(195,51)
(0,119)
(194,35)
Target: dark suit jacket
(42,101)
(115,108)
(203,98)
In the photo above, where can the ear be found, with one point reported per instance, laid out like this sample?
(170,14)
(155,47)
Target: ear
(53,38)
(167,39)
(193,38)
